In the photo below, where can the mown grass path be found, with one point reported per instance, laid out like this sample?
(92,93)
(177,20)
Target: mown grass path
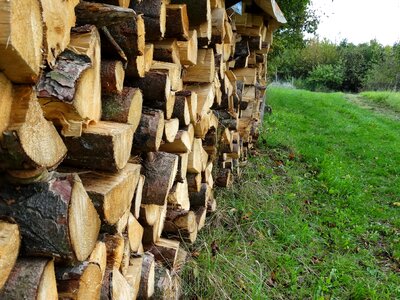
(315,215)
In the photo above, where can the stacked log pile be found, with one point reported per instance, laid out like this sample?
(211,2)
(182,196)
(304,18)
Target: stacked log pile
(117,119)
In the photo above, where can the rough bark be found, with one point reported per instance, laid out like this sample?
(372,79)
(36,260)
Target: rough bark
(112,76)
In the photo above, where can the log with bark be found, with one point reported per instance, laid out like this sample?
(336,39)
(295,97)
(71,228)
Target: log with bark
(167,51)
(181,110)
(105,146)
(194,182)
(179,196)
(188,49)
(165,251)
(115,286)
(112,76)
(167,285)
(181,225)
(115,244)
(99,256)
(204,70)
(10,241)
(181,143)
(174,73)
(31,278)
(6,100)
(133,274)
(137,200)
(61,220)
(177,25)
(182,167)
(146,290)
(200,199)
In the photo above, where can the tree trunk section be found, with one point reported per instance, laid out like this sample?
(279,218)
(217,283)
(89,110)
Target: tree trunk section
(10,241)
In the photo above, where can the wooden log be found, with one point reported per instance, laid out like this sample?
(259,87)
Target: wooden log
(178,196)
(6,99)
(112,76)
(59,18)
(99,257)
(181,143)
(115,244)
(174,73)
(29,141)
(191,99)
(112,194)
(146,290)
(160,169)
(123,108)
(10,240)
(137,200)
(115,286)
(181,110)
(21,40)
(201,213)
(122,3)
(182,167)
(194,163)
(194,182)
(61,222)
(165,252)
(105,146)
(119,227)
(31,278)
(181,225)
(199,199)
(206,175)
(224,178)
(171,128)
(82,281)
(167,51)
(167,285)
(78,100)
(148,136)
(148,57)
(204,70)
(101,15)
(133,274)
(247,75)
(205,97)
(199,11)
(149,214)
(177,25)
(126,255)
(135,233)
(188,49)
(204,34)
(218,17)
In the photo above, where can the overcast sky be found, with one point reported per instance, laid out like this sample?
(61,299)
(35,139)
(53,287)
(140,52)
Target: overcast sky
(359,20)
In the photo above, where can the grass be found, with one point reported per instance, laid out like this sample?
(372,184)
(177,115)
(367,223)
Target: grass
(314,214)
(388,99)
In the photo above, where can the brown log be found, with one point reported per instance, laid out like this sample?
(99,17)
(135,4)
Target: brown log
(6,99)
(100,14)
(181,225)
(61,220)
(188,49)
(165,252)
(160,169)
(174,73)
(114,50)
(167,51)
(115,244)
(21,40)
(182,167)
(148,136)
(135,233)
(137,200)
(99,256)
(146,290)
(123,108)
(224,178)
(201,213)
(149,214)
(199,11)
(204,70)
(82,281)
(10,240)
(105,146)
(29,141)
(115,286)
(181,110)
(177,25)
(112,76)
(31,278)
(199,199)
(122,3)
(194,182)
(181,144)
(171,128)
(126,255)
(134,273)
(178,196)
(112,194)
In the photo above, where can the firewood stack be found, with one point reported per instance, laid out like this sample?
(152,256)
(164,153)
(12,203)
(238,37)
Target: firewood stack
(117,120)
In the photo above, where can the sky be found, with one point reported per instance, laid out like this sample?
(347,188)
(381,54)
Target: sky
(359,20)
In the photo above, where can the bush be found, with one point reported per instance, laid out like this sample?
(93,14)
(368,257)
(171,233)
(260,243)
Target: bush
(325,78)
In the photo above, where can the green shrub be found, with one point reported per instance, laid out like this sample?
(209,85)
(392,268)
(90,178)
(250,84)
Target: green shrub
(325,78)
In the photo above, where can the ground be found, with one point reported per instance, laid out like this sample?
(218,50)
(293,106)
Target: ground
(315,214)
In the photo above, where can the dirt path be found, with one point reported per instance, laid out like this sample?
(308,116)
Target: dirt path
(373,106)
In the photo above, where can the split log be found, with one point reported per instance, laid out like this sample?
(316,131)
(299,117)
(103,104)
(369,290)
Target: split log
(247,75)
(122,3)
(206,175)
(123,108)
(137,200)
(148,56)
(191,99)
(188,49)
(146,290)
(29,141)
(148,136)
(112,194)
(212,205)
(99,256)
(178,196)
(100,14)
(31,278)
(201,213)
(69,100)
(149,214)
(200,199)
(6,100)
(194,182)
(181,224)
(165,251)
(133,274)
(115,244)
(82,281)
(9,248)
(171,128)
(112,76)
(160,169)
(167,51)
(205,97)
(105,146)
(61,222)
(181,110)
(181,144)
(224,178)
(204,70)
(174,73)
(167,285)
(21,40)
(218,17)
(115,286)
(177,25)
(135,233)
(119,227)
(195,163)
(110,44)
(182,167)
(126,255)
(199,11)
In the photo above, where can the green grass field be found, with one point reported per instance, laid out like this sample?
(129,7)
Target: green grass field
(389,99)
(315,214)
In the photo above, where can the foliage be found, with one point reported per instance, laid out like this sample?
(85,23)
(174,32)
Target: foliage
(325,78)
(314,214)
(389,99)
